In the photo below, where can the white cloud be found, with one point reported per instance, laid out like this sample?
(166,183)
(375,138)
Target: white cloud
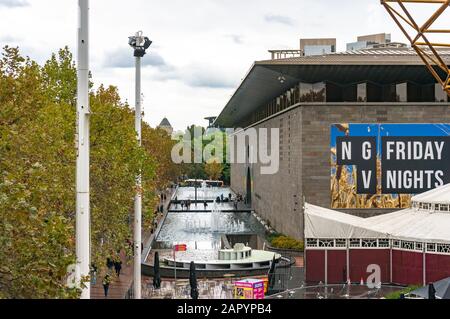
(279,19)
(13,3)
(200,51)
(123,58)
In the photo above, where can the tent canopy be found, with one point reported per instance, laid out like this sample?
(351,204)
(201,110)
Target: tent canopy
(440,195)
(408,224)
(442,290)
(325,223)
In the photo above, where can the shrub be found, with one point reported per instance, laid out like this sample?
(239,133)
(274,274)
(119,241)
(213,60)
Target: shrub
(285,242)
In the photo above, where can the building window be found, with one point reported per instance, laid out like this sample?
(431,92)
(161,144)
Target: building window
(402,92)
(341,243)
(431,248)
(408,245)
(369,243)
(383,243)
(326,243)
(419,246)
(311,242)
(443,248)
(440,95)
(396,243)
(355,243)
(362,92)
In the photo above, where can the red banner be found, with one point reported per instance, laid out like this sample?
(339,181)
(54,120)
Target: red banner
(180,248)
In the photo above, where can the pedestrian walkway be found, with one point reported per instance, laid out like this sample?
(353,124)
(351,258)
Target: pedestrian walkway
(119,287)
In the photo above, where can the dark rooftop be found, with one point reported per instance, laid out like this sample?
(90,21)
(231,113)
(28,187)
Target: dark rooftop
(165,123)
(383,66)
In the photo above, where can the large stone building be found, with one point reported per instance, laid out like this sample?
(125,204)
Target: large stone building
(305,97)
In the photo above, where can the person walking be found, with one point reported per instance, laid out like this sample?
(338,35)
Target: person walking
(93,274)
(205,204)
(106,284)
(109,263)
(118,267)
(182,205)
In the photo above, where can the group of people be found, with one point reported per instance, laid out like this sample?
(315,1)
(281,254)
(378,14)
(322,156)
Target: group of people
(114,265)
(186,204)
(111,264)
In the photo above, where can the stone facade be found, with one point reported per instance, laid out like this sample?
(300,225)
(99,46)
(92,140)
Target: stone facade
(304,172)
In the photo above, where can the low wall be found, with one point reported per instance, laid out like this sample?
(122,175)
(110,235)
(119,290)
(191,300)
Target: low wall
(147,270)
(285,252)
(407,266)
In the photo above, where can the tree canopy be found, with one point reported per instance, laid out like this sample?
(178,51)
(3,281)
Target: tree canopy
(37,174)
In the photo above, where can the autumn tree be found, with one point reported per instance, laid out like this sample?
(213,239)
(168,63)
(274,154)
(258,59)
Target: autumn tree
(214,169)
(37,174)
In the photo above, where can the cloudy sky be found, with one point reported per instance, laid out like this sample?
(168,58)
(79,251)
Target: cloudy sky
(201,48)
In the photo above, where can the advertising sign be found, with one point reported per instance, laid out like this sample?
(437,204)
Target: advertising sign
(250,289)
(382,165)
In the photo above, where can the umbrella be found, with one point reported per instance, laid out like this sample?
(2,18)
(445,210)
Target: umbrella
(441,290)
(193,282)
(272,273)
(431,292)
(157,274)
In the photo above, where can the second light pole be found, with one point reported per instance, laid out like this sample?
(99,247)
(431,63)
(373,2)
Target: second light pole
(140,44)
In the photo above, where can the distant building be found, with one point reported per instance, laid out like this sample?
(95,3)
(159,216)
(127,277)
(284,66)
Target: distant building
(166,126)
(308,47)
(374,41)
(375,86)
(317,46)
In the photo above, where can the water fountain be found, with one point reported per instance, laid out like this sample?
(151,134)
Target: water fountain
(205,190)
(215,218)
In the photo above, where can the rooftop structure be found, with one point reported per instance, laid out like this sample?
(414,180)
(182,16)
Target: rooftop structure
(303,99)
(166,126)
(383,66)
(317,46)
(369,41)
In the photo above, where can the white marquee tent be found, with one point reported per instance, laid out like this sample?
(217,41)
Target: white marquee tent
(427,222)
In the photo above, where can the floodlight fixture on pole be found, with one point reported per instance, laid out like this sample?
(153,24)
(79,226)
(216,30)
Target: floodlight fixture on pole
(140,44)
(83,148)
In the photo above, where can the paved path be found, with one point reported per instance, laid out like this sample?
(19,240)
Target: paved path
(120,286)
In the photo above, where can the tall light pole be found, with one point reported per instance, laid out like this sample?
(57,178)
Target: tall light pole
(139,43)
(83,146)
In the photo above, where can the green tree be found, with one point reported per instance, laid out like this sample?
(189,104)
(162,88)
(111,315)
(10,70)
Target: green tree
(59,76)
(37,174)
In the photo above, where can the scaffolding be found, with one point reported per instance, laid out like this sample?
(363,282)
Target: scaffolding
(418,35)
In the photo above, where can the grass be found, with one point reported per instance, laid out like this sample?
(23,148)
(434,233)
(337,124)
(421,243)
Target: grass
(396,295)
